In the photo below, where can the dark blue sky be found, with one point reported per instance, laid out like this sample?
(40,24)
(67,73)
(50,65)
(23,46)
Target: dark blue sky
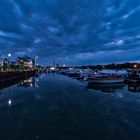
(74,32)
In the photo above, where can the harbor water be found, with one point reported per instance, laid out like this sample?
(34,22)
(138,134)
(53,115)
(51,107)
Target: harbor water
(52,106)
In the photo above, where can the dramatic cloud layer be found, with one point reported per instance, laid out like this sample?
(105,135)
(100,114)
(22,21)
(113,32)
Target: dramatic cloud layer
(71,31)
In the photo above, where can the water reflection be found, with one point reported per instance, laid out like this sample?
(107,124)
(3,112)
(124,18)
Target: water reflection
(61,109)
(106,88)
(9,97)
(134,87)
(31,82)
(21,83)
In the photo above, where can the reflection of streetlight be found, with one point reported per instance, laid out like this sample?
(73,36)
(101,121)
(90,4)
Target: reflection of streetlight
(9,102)
(36,82)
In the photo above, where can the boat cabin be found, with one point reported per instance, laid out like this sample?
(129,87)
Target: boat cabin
(134,73)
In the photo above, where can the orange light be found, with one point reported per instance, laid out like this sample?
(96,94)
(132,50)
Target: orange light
(135,66)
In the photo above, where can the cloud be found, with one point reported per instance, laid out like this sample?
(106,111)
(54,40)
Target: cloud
(73,32)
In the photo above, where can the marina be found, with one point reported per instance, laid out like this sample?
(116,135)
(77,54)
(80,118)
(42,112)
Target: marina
(69,70)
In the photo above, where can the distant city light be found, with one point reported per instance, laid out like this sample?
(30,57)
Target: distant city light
(71,68)
(52,68)
(135,66)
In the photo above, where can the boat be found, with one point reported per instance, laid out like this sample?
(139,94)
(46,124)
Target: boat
(133,76)
(85,73)
(73,73)
(103,78)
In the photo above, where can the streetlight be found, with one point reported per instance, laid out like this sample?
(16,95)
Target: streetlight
(35,61)
(9,55)
(135,66)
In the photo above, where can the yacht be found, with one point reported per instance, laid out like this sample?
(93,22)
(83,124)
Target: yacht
(104,78)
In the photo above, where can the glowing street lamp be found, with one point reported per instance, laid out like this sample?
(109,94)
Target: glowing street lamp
(135,66)
(9,55)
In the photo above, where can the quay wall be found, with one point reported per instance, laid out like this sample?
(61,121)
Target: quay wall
(12,75)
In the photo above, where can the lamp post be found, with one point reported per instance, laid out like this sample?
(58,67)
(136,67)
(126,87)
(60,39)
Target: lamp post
(9,56)
(35,61)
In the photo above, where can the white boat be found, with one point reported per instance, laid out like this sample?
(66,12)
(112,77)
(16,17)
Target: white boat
(103,78)
(85,73)
(73,73)
(106,81)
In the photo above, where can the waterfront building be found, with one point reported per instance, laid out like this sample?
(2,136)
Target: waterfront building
(1,62)
(26,61)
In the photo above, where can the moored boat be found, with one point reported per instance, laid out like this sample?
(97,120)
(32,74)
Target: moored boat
(73,74)
(103,78)
(133,76)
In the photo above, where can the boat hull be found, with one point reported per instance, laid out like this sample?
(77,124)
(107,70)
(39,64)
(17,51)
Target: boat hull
(74,75)
(132,81)
(105,81)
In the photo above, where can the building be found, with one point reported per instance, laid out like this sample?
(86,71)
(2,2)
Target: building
(1,62)
(26,61)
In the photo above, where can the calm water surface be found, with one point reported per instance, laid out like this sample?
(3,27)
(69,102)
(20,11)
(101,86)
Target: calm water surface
(57,107)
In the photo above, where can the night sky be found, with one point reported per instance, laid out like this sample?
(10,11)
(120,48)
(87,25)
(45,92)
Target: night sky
(74,32)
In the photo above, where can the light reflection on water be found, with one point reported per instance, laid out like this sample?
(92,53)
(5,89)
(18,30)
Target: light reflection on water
(57,107)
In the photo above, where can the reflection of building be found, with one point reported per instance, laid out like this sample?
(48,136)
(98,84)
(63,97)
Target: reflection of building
(106,87)
(26,61)
(1,64)
(31,82)
(134,88)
